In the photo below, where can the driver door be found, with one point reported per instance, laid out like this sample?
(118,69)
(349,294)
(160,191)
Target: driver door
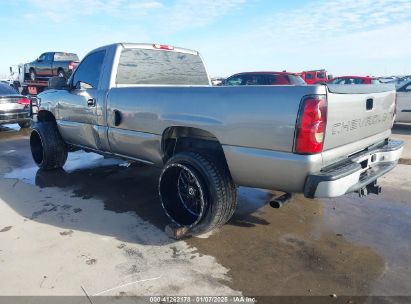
(80,109)
(43,65)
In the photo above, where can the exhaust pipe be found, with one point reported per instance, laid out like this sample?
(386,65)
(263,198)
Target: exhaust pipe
(282,200)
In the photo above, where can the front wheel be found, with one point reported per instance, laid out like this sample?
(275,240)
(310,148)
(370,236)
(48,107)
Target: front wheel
(48,149)
(197,192)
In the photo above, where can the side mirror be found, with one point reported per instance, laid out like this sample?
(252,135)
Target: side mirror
(80,85)
(58,83)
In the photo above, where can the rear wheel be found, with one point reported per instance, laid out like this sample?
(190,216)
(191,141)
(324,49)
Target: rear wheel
(61,73)
(48,149)
(196,192)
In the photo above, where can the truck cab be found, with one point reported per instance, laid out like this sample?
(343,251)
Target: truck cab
(314,76)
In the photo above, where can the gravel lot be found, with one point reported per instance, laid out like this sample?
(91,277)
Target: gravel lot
(97,228)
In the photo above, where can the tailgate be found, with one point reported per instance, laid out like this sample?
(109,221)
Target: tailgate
(356,112)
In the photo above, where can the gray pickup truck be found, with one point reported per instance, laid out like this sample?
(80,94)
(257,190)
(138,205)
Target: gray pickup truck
(51,64)
(154,104)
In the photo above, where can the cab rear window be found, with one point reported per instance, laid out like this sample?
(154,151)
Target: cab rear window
(156,67)
(65,57)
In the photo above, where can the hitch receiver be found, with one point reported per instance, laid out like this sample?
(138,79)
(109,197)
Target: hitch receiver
(372,188)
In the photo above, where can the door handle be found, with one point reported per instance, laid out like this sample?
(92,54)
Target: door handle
(117,117)
(91,102)
(369,104)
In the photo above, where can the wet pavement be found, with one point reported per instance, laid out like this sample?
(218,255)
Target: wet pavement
(345,246)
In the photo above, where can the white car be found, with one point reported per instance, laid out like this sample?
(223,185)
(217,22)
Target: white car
(404,103)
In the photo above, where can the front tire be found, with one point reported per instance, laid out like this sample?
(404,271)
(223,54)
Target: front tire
(197,192)
(48,149)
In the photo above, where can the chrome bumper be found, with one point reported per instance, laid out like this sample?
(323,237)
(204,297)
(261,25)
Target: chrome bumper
(355,173)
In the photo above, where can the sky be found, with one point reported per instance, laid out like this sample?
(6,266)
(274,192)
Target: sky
(346,37)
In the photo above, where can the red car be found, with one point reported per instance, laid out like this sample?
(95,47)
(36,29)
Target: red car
(264,78)
(314,76)
(354,80)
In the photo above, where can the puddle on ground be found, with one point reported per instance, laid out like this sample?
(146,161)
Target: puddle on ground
(76,161)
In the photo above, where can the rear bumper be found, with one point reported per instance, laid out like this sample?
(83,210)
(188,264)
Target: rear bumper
(354,173)
(8,118)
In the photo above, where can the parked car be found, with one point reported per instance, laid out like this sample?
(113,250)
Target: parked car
(314,76)
(264,78)
(354,80)
(217,81)
(14,108)
(51,64)
(155,104)
(404,103)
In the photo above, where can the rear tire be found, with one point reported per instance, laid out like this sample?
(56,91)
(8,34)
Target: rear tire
(48,149)
(206,199)
(60,73)
(25,124)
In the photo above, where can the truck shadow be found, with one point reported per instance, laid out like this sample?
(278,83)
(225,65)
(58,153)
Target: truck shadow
(134,189)
(123,188)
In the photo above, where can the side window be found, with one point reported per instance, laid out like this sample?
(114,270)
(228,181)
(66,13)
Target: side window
(261,80)
(309,76)
(42,56)
(358,81)
(280,80)
(233,81)
(87,74)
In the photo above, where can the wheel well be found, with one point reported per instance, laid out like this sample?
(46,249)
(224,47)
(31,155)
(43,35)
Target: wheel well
(45,116)
(178,139)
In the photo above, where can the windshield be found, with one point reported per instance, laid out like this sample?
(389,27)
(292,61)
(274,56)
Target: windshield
(141,66)
(65,57)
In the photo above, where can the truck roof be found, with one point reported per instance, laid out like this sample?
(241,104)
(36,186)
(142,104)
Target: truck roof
(151,46)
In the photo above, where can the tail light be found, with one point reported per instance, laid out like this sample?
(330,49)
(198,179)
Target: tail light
(163,47)
(71,66)
(311,125)
(24,101)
